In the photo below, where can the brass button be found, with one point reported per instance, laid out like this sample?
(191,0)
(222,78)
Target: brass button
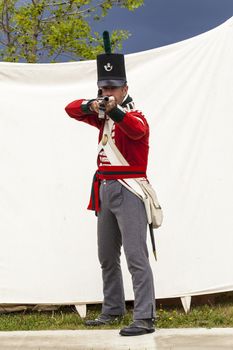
(104,139)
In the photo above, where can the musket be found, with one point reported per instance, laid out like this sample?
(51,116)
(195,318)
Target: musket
(101,101)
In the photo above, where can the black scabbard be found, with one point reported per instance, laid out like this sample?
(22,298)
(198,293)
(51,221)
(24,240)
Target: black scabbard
(153,241)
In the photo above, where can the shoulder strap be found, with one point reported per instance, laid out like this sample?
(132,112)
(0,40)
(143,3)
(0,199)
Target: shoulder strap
(115,157)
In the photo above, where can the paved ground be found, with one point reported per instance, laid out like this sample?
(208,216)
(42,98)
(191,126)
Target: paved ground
(163,339)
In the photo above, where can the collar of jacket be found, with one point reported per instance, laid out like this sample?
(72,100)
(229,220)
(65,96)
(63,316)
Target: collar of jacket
(127,100)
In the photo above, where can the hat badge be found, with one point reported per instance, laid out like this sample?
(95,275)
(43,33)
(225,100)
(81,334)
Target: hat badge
(108,67)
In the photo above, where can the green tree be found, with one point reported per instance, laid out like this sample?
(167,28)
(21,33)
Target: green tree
(32,29)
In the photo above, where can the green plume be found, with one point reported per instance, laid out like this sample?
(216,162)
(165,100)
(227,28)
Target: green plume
(107,43)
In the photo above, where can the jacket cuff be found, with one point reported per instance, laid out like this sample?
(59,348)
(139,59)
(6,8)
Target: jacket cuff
(117,114)
(85,106)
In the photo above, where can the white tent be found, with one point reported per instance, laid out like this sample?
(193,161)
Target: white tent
(48,238)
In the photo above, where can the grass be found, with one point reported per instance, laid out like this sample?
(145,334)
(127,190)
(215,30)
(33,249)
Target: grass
(208,316)
(201,316)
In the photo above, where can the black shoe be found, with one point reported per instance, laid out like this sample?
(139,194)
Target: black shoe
(102,320)
(139,327)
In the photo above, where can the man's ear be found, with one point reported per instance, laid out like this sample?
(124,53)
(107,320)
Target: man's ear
(125,89)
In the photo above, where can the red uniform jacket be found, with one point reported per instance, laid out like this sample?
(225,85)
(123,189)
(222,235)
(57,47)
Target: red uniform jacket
(131,128)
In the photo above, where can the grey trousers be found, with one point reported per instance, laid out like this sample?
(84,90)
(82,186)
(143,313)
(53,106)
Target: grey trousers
(122,221)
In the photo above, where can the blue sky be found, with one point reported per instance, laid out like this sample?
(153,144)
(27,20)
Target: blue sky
(162,22)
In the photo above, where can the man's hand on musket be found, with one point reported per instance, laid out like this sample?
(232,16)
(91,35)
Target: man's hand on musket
(107,105)
(110,104)
(94,106)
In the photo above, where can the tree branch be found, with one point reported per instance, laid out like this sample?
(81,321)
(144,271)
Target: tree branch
(58,53)
(2,22)
(58,4)
(7,29)
(89,9)
(3,43)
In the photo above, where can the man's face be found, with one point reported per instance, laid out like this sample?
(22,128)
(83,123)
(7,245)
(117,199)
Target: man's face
(118,92)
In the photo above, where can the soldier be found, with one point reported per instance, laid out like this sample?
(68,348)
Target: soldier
(122,219)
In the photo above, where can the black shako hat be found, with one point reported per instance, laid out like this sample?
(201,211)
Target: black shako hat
(110,66)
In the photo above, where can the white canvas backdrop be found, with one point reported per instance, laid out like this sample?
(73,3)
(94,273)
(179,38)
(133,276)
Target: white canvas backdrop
(48,238)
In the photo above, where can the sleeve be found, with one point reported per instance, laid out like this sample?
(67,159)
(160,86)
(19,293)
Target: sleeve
(79,110)
(132,123)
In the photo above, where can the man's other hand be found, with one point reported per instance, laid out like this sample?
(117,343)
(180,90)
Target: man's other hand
(94,106)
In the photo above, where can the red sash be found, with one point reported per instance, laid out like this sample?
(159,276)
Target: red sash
(112,173)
